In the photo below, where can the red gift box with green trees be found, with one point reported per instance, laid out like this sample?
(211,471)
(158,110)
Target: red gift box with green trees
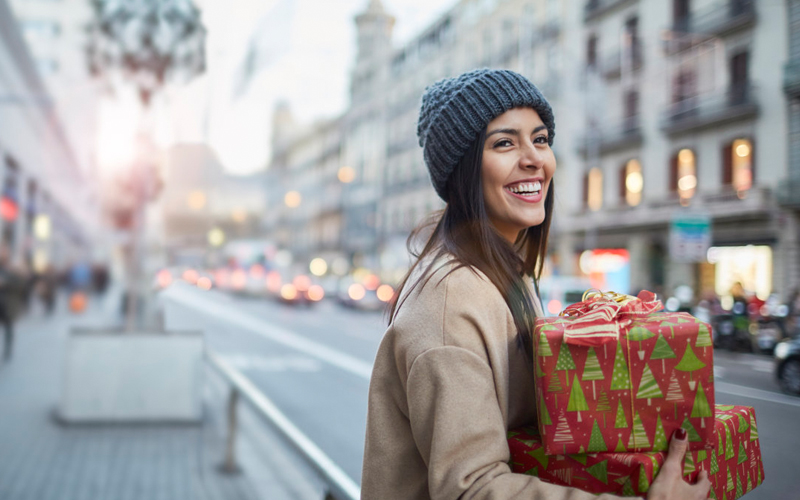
(734,463)
(614,375)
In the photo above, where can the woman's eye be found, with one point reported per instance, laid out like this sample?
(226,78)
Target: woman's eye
(502,143)
(540,139)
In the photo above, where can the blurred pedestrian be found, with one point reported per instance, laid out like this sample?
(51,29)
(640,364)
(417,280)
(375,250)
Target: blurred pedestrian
(12,287)
(453,373)
(46,288)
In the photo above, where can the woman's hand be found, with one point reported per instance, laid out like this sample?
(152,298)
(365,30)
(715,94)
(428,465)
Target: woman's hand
(669,484)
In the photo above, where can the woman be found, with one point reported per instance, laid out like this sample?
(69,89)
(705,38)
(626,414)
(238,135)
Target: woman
(454,372)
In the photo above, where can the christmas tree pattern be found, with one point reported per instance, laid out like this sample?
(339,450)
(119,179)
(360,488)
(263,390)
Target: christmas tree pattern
(540,457)
(749,484)
(753,431)
(620,379)
(660,439)
(565,361)
(703,337)
(728,444)
(644,481)
(662,351)
(603,406)
(648,387)
(721,408)
(701,407)
(565,475)
(656,466)
(621,422)
(579,457)
(554,385)
(544,345)
(596,441)
(599,471)
(743,425)
(639,333)
(627,489)
(760,479)
(577,401)
(694,437)
(674,394)
(544,415)
(532,472)
(620,447)
(720,444)
(729,485)
(742,458)
(752,457)
(714,464)
(689,362)
(563,434)
(713,495)
(688,464)
(638,437)
(592,370)
(537,363)
(739,486)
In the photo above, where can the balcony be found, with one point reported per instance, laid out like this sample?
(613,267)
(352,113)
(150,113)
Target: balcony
(596,8)
(548,30)
(717,20)
(625,134)
(791,78)
(700,112)
(625,60)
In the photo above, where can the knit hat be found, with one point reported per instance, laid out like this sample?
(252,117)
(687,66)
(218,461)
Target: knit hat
(454,110)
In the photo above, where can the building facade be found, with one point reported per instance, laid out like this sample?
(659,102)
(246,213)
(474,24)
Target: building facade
(47,215)
(677,135)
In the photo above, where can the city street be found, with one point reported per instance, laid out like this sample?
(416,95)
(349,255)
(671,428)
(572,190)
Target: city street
(314,363)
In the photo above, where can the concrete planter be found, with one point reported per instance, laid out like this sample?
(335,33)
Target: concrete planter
(115,376)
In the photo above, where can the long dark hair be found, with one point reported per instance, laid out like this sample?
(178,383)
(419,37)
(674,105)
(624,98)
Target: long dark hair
(463,229)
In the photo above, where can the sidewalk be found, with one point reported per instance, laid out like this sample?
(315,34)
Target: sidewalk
(42,459)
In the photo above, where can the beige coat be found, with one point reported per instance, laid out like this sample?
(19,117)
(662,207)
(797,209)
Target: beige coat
(448,382)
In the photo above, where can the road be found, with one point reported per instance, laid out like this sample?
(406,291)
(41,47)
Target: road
(314,363)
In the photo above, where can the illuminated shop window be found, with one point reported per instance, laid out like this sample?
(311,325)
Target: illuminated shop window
(684,175)
(633,182)
(594,189)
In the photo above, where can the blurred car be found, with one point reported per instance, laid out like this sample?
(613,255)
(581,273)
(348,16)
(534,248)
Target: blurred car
(787,366)
(300,290)
(366,296)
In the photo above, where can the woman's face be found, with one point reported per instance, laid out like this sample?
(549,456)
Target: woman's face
(518,166)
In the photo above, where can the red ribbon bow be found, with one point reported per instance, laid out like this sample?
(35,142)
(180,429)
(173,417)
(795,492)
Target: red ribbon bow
(600,318)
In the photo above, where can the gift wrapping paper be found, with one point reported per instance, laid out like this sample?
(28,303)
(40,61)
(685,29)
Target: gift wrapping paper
(627,394)
(734,463)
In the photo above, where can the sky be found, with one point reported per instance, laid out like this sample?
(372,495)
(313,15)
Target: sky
(305,49)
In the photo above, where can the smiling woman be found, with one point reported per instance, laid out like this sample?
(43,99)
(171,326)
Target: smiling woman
(454,370)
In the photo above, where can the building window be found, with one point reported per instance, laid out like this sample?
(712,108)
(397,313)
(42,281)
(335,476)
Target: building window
(683,175)
(737,165)
(593,189)
(739,78)
(591,51)
(632,182)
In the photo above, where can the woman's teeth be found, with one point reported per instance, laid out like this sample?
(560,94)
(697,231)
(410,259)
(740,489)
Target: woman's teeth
(528,188)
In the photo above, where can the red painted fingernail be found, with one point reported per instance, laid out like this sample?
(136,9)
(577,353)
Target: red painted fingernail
(680,433)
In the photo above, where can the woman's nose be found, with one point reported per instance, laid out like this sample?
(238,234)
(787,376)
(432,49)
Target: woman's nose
(531,157)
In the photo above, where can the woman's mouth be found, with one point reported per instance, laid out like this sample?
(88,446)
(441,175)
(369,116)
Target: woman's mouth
(526,191)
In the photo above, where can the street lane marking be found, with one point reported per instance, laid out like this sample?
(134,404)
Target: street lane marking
(719,372)
(247,321)
(274,364)
(749,392)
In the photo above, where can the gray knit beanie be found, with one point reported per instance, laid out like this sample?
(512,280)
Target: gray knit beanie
(454,110)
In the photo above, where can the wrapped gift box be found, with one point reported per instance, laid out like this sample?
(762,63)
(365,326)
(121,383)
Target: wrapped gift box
(734,464)
(622,379)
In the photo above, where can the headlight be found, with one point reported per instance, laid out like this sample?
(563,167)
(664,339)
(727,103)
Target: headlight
(782,350)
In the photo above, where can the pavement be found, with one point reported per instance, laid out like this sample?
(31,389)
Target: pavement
(42,458)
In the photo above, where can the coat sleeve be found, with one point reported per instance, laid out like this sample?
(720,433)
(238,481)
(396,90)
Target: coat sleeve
(459,431)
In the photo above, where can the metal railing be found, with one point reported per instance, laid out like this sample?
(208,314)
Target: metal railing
(718,18)
(339,486)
